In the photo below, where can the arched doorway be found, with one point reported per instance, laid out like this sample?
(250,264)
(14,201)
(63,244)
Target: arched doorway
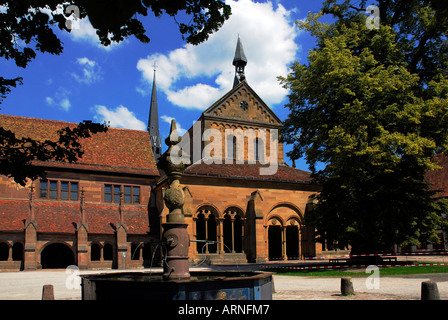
(292,242)
(56,256)
(275,242)
(284,223)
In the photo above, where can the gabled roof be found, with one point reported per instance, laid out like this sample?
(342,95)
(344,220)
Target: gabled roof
(261,113)
(115,151)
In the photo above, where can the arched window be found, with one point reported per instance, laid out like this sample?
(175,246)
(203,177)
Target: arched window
(232,150)
(206,229)
(147,251)
(17,251)
(135,251)
(227,233)
(95,252)
(233,230)
(4,251)
(108,252)
(259,150)
(200,232)
(211,233)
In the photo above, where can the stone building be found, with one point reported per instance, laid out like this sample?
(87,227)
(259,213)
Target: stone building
(93,213)
(247,215)
(243,203)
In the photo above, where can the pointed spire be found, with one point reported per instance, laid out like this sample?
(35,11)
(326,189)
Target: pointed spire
(153,121)
(239,61)
(239,53)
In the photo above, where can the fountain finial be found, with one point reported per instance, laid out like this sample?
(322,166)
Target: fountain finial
(174,165)
(175,229)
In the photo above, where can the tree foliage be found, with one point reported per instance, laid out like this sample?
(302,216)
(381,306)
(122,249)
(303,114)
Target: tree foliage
(372,106)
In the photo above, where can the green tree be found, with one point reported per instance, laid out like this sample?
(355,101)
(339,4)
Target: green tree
(28,26)
(375,119)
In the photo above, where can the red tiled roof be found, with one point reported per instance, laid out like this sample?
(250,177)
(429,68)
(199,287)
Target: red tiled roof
(248,172)
(13,213)
(53,217)
(439,178)
(117,150)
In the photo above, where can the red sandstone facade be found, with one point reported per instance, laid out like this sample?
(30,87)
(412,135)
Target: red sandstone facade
(94,213)
(249,217)
(106,210)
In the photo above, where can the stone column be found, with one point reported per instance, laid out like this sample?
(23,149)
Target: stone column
(82,236)
(29,255)
(232,220)
(220,237)
(284,256)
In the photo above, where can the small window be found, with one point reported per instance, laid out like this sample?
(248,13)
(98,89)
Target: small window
(108,193)
(74,191)
(64,190)
(117,194)
(112,192)
(127,194)
(53,189)
(136,194)
(43,189)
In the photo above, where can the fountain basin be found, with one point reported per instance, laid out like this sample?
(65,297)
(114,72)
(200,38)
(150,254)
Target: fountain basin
(202,285)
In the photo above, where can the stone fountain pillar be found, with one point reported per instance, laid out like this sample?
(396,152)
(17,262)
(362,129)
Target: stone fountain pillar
(175,229)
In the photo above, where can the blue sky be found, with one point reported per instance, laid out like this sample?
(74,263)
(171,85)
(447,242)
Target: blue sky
(90,82)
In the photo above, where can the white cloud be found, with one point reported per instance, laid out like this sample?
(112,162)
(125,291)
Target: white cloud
(90,71)
(60,99)
(268,38)
(180,131)
(84,31)
(121,117)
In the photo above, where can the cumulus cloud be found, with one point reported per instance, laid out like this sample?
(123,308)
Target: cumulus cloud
(60,99)
(90,71)
(120,117)
(268,37)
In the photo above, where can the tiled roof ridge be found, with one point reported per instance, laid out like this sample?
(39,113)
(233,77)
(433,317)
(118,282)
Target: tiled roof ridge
(67,123)
(190,171)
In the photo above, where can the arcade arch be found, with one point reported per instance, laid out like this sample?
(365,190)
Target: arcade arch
(57,255)
(284,223)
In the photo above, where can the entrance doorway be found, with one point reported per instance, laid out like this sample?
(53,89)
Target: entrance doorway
(56,256)
(275,242)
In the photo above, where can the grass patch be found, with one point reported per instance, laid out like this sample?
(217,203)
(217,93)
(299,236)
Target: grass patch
(418,268)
